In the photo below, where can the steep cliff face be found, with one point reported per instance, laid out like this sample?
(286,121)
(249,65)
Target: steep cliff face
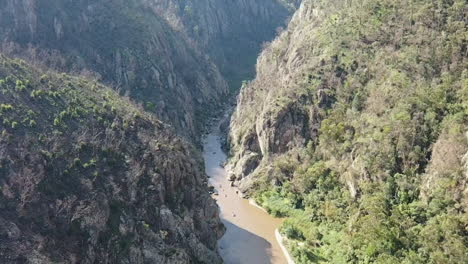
(274,113)
(163,53)
(301,82)
(126,45)
(355,127)
(87,177)
(231,32)
(448,167)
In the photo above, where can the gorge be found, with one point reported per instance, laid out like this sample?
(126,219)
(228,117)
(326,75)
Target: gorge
(103,104)
(182,131)
(250,232)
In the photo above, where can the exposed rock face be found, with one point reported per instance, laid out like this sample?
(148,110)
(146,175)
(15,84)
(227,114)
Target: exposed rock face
(159,52)
(449,162)
(231,32)
(135,51)
(86,177)
(274,115)
(301,79)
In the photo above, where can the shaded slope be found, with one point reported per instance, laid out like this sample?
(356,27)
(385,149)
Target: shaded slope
(231,32)
(126,45)
(158,52)
(87,177)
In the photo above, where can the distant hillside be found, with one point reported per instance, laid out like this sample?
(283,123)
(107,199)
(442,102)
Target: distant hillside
(124,44)
(165,54)
(356,129)
(231,32)
(87,177)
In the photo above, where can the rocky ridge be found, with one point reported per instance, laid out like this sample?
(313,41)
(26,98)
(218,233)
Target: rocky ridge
(164,54)
(274,114)
(86,177)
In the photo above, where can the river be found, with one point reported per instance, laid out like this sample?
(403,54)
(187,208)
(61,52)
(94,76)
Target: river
(250,232)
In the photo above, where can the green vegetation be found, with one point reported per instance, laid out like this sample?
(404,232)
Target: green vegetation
(68,101)
(81,116)
(385,179)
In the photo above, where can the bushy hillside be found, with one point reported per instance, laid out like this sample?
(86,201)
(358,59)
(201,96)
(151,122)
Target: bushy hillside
(355,128)
(87,177)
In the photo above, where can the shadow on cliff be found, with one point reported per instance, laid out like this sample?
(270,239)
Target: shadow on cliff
(250,249)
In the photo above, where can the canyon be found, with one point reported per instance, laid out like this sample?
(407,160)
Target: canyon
(268,131)
(103,104)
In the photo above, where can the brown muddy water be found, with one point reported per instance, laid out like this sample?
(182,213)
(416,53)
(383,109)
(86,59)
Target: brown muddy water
(250,232)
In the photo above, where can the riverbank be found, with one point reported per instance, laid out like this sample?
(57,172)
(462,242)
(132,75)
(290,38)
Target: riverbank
(280,240)
(278,235)
(253,203)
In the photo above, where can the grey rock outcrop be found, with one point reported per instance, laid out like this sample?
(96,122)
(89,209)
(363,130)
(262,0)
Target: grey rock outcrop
(273,114)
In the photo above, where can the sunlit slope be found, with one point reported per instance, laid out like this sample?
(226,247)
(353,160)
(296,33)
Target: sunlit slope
(355,127)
